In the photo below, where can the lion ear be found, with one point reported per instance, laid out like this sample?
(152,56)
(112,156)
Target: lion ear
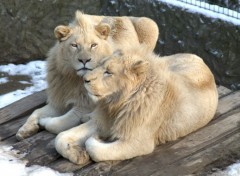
(140,67)
(62,32)
(103,29)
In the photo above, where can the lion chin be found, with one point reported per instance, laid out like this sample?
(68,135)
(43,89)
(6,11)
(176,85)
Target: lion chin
(150,100)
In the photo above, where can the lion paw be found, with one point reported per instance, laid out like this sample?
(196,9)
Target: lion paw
(44,121)
(92,149)
(26,131)
(51,124)
(77,154)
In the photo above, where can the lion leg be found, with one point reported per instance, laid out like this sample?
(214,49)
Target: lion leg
(118,150)
(31,126)
(58,124)
(70,143)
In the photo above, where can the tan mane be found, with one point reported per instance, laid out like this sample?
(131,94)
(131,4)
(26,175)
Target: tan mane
(82,21)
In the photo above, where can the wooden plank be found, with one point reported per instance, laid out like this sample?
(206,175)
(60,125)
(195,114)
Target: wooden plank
(228,103)
(100,168)
(228,158)
(38,149)
(10,141)
(22,107)
(201,159)
(64,165)
(9,129)
(223,91)
(164,156)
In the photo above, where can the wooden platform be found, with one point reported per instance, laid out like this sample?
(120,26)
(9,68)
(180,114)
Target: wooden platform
(216,145)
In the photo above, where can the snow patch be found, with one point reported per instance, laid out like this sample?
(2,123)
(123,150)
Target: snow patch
(234,170)
(3,80)
(11,165)
(35,69)
(209,13)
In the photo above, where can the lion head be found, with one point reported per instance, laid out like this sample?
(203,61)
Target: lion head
(115,77)
(82,43)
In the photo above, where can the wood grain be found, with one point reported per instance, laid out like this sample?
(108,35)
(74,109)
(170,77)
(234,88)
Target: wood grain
(9,129)
(22,107)
(38,149)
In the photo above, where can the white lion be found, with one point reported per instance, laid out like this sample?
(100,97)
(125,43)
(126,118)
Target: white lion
(82,44)
(142,100)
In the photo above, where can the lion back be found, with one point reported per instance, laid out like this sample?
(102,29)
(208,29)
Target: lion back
(130,31)
(192,69)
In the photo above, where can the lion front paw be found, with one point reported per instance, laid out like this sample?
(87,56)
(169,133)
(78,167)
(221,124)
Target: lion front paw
(77,154)
(93,149)
(47,123)
(26,131)
(44,121)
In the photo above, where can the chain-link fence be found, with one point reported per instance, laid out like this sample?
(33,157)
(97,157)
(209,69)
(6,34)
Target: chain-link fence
(228,7)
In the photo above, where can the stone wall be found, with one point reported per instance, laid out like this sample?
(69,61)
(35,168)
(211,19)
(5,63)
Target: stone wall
(27,26)
(26,31)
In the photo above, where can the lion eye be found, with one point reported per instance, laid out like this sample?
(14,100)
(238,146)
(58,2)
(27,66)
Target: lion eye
(93,45)
(74,45)
(107,73)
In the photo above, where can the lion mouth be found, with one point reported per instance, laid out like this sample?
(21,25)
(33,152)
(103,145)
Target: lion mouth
(84,69)
(92,94)
(96,95)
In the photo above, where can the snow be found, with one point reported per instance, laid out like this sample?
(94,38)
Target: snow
(209,13)
(12,165)
(3,80)
(233,170)
(35,69)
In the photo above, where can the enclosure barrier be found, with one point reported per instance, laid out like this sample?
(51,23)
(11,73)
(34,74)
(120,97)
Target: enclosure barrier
(229,8)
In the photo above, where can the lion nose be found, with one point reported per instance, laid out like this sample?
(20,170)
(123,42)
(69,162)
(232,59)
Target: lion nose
(89,77)
(86,81)
(84,61)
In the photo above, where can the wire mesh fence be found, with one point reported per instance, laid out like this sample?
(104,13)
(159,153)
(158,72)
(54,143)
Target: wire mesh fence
(227,7)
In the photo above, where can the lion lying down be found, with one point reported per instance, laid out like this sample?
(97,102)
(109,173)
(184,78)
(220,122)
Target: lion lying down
(81,45)
(142,100)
